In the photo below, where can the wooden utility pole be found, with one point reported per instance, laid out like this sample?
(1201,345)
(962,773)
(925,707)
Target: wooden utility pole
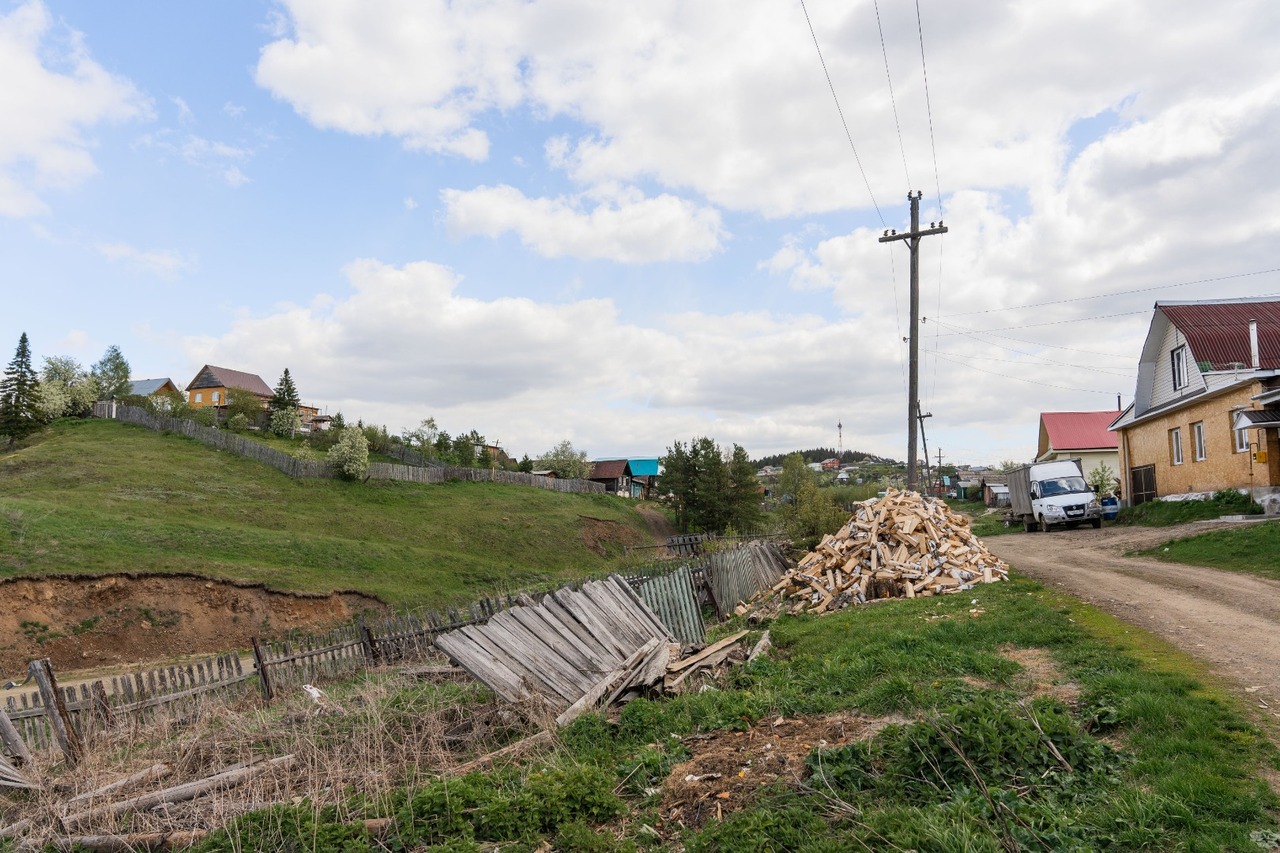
(912,239)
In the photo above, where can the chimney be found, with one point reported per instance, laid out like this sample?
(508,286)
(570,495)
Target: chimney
(1253,344)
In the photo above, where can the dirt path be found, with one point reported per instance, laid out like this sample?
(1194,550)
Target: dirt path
(1229,619)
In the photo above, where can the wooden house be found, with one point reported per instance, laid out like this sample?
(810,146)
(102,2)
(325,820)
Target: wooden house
(615,474)
(1206,412)
(211,385)
(152,387)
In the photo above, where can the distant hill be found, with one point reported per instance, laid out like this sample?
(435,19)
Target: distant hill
(97,496)
(819,454)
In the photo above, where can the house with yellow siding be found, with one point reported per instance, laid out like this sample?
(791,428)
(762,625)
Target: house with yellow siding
(1206,411)
(211,385)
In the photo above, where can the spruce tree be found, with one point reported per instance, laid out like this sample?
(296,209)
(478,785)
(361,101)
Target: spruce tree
(286,395)
(19,390)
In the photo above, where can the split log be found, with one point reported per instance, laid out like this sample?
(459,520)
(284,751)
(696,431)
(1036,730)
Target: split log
(762,646)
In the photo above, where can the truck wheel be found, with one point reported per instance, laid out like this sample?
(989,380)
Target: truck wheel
(1097,523)
(1044,525)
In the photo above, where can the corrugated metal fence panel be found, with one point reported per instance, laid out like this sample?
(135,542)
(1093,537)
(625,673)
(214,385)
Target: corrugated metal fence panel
(672,598)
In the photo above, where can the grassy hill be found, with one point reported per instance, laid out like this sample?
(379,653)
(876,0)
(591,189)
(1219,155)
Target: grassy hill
(92,496)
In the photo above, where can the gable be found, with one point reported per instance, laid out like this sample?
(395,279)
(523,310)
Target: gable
(609,469)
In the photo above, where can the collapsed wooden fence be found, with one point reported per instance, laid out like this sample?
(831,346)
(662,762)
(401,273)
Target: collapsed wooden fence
(313,468)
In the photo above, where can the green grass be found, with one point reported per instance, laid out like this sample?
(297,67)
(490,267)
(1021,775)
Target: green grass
(1150,757)
(1253,548)
(1168,513)
(99,496)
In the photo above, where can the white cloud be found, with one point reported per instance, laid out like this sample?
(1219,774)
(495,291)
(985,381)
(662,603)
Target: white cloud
(53,93)
(410,203)
(624,227)
(219,158)
(404,343)
(185,115)
(162,263)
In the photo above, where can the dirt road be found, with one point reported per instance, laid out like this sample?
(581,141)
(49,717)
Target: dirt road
(1228,619)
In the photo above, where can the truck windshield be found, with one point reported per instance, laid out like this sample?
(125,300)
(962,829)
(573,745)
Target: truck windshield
(1062,486)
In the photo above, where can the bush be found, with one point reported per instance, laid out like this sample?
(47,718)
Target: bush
(238,422)
(350,456)
(285,422)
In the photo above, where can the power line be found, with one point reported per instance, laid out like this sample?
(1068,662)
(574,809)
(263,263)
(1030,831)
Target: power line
(1022,379)
(834,97)
(977,335)
(1043,362)
(928,107)
(1119,293)
(1046,323)
(892,101)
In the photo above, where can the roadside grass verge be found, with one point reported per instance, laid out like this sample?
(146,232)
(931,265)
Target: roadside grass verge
(1113,741)
(96,496)
(1251,548)
(1168,513)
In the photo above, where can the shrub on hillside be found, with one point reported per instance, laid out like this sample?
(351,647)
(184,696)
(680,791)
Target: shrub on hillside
(350,455)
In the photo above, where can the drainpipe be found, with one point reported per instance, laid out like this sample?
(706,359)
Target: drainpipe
(1253,344)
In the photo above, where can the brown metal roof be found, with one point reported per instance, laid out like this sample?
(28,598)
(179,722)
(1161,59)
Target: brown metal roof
(608,469)
(222,377)
(1218,332)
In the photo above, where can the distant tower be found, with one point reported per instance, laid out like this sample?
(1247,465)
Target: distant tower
(839,439)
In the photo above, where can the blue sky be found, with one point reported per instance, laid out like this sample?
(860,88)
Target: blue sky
(627,225)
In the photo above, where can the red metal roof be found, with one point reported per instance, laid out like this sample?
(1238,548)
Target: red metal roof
(1079,430)
(1218,332)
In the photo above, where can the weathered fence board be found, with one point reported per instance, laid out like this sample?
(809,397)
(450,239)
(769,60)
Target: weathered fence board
(673,599)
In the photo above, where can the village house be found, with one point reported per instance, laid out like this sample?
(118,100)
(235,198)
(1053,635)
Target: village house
(211,385)
(615,474)
(1080,435)
(1206,412)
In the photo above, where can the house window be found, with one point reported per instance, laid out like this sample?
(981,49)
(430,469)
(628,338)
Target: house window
(1178,364)
(214,397)
(199,397)
(1175,445)
(1242,440)
(1197,440)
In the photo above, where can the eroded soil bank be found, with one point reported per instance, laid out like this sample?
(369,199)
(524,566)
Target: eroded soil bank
(112,620)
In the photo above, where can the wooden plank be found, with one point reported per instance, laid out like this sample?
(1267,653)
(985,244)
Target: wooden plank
(529,657)
(538,620)
(603,686)
(600,650)
(543,650)
(612,614)
(642,611)
(707,652)
(586,614)
(505,653)
(475,658)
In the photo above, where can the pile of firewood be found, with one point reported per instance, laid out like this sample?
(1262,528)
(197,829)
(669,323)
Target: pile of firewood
(899,546)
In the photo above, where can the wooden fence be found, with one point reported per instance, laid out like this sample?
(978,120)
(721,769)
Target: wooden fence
(132,697)
(295,467)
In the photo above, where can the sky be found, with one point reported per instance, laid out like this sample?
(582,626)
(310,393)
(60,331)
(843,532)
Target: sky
(626,225)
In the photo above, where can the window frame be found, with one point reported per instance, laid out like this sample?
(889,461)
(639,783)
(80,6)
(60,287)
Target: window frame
(1175,445)
(1242,433)
(1178,366)
(199,397)
(1199,452)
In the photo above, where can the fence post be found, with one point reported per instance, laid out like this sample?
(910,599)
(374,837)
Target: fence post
(101,705)
(56,710)
(13,741)
(260,664)
(367,640)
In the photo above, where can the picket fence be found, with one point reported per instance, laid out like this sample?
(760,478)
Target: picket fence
(295,467)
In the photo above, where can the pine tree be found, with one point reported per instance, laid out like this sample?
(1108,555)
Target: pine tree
(19,395)
(286,395)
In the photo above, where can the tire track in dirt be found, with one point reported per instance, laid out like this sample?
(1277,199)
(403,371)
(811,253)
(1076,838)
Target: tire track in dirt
(1230,620)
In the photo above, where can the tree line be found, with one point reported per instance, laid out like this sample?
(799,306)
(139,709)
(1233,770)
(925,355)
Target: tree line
(822,454)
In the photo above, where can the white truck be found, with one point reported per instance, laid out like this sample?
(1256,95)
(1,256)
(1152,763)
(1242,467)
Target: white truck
(1043,495)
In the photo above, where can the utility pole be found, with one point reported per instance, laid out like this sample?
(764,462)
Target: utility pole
(928,476)
(912,239)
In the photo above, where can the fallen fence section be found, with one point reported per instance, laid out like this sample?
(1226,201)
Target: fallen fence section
(573,649)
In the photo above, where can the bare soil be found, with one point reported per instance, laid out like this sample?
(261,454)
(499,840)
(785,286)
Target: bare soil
(728,769)
(85,622)
(1229,619)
